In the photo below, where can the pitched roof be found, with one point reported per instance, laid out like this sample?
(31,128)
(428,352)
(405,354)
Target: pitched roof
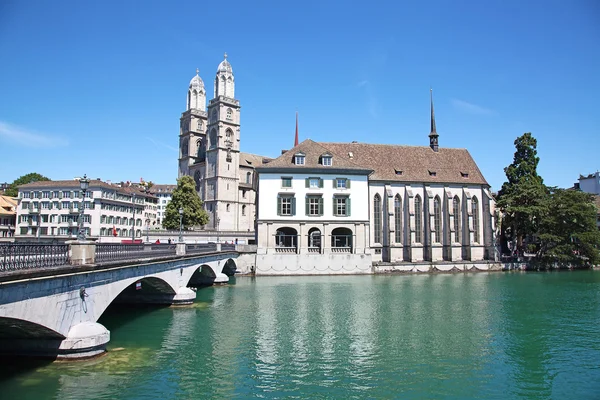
(411,163)
(8,205)
(74,184)
(312,152)
(161,188)
(252,160)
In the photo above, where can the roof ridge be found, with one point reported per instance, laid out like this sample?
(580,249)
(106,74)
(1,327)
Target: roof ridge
(392,145)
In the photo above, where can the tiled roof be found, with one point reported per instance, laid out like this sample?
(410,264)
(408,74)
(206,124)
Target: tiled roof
(312,152)
(411,163)
(74,184)
(160,188)
(8,205)
(252,160)
(388,162)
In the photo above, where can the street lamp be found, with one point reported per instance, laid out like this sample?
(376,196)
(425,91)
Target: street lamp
(218,233)
(180,224)
(148,230)
(84,183)
(133,229)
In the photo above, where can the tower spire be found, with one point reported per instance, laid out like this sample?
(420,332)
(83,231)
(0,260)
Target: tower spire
(433,136)
(296,138)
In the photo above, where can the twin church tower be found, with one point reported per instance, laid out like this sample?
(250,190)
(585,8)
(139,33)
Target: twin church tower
(209,151)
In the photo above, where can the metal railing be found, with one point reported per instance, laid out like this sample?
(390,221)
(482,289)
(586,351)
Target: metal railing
(227,246)
(15,257)
(117,252)
(200,248)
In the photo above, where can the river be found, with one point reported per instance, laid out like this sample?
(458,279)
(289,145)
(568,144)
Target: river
(447,336)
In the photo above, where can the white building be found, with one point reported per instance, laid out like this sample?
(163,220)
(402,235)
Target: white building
(164,193)
(209,143)
(404,204)
(49,210)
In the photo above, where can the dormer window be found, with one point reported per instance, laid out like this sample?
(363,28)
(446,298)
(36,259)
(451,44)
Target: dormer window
(326,160)
(299,158)
(464,174)
(398,171)
(432,173)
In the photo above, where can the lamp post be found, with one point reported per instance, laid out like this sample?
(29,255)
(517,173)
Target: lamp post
(218,233)
(84,183)
(180,224)
(133,229)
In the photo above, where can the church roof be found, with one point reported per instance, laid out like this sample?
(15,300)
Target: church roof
(312,152)
(412,163)
(224,66)
(386,162)
(252,160)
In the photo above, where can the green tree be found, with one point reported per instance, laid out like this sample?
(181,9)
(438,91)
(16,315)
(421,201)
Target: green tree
(13,189)
(186,197)
(568,233)
(523,199)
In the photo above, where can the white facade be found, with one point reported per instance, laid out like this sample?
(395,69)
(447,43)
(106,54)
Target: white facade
(590,183)
(50,210)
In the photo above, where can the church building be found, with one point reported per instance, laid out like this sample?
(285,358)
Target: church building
(209,151)
(329,208)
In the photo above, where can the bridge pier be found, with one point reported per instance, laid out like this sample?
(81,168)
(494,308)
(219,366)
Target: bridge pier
(184,296)
(84,340)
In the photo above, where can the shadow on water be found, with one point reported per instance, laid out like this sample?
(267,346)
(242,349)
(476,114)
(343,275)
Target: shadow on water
(11,366)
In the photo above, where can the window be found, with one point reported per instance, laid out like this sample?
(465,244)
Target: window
(341,183)
(55,194)
(341,206)
(66,194)
(314,183)
(314,206)
(244,194)
(45,205)
(377,219)
(286,182)
(437,220)
(418,217)
(326,161)
(456,208)
(36,195)
(46,194)
(314,238)
(248,177)
(299,159)
(286,205)
(243,210)
(227,208)
(26,195)
(65,204)
(229,116)
(24,205)
(199,125)
(398,219)
(475,211)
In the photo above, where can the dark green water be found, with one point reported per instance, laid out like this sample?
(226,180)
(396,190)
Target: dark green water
(474,336)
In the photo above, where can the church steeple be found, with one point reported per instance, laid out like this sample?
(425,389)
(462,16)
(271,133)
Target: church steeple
(433,136)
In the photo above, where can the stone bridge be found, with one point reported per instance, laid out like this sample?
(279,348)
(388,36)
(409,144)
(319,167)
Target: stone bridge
(54,312)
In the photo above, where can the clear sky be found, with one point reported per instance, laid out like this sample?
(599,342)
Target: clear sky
(98,87)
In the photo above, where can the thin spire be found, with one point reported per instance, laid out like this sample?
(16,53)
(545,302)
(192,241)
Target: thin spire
(432,112)
(225,55)
(197,71)
(296,139)
(433,136)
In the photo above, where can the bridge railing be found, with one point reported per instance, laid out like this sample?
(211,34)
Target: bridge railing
(15,257)
(117,252)
(200,248)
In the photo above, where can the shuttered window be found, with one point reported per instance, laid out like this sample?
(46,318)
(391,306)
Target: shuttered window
(341,206)
(286,205)
(314,206)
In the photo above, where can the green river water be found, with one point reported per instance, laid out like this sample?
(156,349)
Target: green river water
(454,336)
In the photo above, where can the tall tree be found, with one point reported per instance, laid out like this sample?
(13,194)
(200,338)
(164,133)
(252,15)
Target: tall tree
(523,199)
(186,197)
(568,232)
(13,189)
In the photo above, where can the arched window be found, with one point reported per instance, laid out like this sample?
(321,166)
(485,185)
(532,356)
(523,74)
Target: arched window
(314,239)
(286,240)
(437,220)
(200,152)
(199,124)
(197,180)
(189,102)
(195,99)
(398,219)
(341,240)
(185,149)
(229,114)
(213,116)
(418,218)
(244,210)
(228,133)
(475,212)
(227,207)
(213,138)
(377,219)
(456,209)
(249,177)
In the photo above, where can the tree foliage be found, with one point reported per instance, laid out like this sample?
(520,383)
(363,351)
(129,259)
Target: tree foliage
(568,233)
(523,199)
(186,197)
(13,189)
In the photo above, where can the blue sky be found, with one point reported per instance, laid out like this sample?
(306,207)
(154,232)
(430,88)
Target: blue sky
(98,88)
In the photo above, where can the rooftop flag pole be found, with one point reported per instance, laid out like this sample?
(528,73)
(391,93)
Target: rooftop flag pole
(296,139)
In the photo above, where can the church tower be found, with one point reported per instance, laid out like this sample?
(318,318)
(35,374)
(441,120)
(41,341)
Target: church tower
(223,153)
(192,132)
(433,135)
